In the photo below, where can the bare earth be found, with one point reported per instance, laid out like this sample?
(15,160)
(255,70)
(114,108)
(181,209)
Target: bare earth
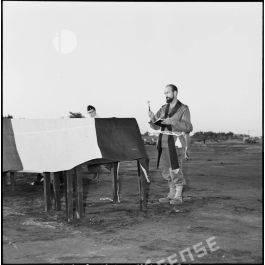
(224,201)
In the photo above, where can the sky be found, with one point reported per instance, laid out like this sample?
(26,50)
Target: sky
(62,56)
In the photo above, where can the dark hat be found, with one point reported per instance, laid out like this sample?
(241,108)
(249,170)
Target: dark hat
(90,108)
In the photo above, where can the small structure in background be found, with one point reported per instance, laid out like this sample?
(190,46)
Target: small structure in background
(75,115)
(149,139)
(251,140)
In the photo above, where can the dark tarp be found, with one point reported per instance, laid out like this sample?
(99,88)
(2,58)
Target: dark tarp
(119,139)
(11,160)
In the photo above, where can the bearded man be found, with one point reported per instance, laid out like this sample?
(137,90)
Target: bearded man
(173,119)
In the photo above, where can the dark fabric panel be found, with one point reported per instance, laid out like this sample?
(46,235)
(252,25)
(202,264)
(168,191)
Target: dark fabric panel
(119,139)
(11,160)
(171,143)
(98,161)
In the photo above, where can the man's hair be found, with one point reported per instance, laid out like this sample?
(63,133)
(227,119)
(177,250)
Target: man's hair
(173,87)
(90,107)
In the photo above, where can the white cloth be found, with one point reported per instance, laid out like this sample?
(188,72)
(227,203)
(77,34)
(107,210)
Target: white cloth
(172,133)
(178,143)
(50,145)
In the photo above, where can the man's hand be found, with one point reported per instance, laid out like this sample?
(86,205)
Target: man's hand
(166,121)
(151,114)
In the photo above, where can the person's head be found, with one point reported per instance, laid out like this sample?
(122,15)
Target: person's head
(171,92)
(91,110)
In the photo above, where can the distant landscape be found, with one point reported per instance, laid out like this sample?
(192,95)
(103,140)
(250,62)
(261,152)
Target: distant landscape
(151,139)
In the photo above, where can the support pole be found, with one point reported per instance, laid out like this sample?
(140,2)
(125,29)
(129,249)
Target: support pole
(140,186)
(115,183)
(56,189)
(12,180)
(4,179)
(69,179)
(79,195)
(47,191)
(65,193)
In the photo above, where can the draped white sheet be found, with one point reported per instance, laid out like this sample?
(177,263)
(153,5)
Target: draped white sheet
(50,145)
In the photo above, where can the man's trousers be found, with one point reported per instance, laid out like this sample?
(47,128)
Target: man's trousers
(172,176)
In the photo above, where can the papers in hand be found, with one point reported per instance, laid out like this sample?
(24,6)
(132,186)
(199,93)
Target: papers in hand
(159,123)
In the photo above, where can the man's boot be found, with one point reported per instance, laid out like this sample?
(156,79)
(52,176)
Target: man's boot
(178,195)
(171,193)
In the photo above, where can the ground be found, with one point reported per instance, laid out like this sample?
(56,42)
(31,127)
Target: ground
(223,204)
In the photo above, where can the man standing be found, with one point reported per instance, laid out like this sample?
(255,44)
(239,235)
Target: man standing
(173,141)
(91,110)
